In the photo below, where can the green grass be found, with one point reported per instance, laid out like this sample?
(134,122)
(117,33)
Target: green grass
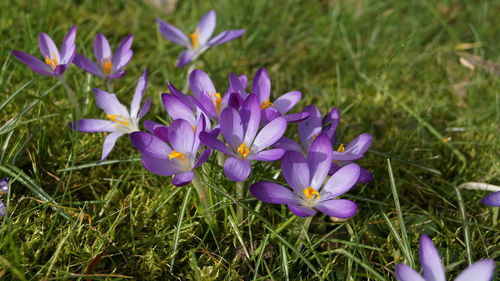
(390,66)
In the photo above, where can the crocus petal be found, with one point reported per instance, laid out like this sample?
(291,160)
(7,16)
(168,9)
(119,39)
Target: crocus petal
(185,57)
(406,273)
(181,136)
(173,34)
(3,209)
(301,211)
(271,133)
(365,176)
(288,144)
(295,170)
(429,259)
(273,193)
(205,103)
(284,103)
(159,166)
(93,125)
(211,140)
(87,65)
(311,126)
(109,143)
(492,199)
(59,70)
(47,47)
(479,271)
(237,169)
(261,85)
(109,103)
(157,129)
(68,48)
(144,109)
(339,208)
(226,36)
(123,54)
(35,64)
(269,155)
(346,156)
(296,117)
(181,96)
(203,158)
(150,145)
(268,115)
(206,27)
(102,50)
(319,159)
(116,75)
(177,109)
(360,144)
(235,85)
(330,123)
(231,127)
(343,180)
(250,117)
(183,178)
(139,92)
(199,82)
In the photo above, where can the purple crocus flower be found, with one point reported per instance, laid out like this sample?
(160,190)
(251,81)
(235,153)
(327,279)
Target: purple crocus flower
(120,120)
(4,188)
(177,159)
(306,177)
(261,86)
(239,130)
(198,41)
(492,199)
(177,109)
(433,269)
(108,65)
(54,62)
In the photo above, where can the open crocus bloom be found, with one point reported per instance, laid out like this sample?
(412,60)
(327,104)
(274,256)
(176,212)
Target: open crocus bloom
(108,65)
(120,120)
(310,191)
(54,62)
(4,188)
(239,130)
(177,159)
(492,199)
(179,110)
(198,41)
(433,269)
(261,86)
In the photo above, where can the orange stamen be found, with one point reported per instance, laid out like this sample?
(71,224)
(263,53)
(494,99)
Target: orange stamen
(265,104)
(118,119)
(195,42)
(107,66)
(244,150)
(311,192)
(179,155)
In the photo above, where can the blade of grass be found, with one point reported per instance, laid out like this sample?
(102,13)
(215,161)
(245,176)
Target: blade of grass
(179,225)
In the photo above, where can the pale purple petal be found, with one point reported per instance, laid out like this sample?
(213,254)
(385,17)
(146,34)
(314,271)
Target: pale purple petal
(284,103)
(205,104)
(346,156)
(273,193)
(59,70)
(177,109)
(483,270)
(48,47)
(68,48)
(271,133)
(109,143)
(181,136)
(330,123)
(139,92)
(159,166)
(157,129)
(250,117)
(123,54)
(116,75)
(183,178)
(102,50)
(173,34)
(185,57)
(269,155)
(87,65)
(199,82)
(150,145)
(93,125)
(338,208)
(430,260)
(211,140)
(319,159)
(261,85)
(360,144)
(237,169)
(226,36)
(35,64)
(365,176)
(301,211)
(203,158)
(268,115)
(187,100)
(109,103)
(296,117)
(492,199)
(406,273)
(310,127)
(231,127)
(144,109)
(206,27)
(3,209)
(295,170)
(235,85)
(288,144)
(340,182)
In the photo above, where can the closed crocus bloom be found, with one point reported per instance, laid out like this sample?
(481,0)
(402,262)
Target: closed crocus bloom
(492,199)
(55,61)
(198,41)
(310,191)
(177,158)
(245,142)
(120,120)
(109,65)
(433,269)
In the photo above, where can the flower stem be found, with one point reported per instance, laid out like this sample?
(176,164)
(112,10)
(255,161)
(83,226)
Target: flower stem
(71,95)
(303,233)
(186,84)
(205,200)
(240,194)
(109,85)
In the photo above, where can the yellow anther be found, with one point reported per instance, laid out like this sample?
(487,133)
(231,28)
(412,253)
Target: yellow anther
(217,101)
(314,137)
(341,148)
(311,192)
(179,155)
(244,150)
(194,128)
(118,119)
(195,42)
(265,104)
(107,66)
(51,62)
(447,139)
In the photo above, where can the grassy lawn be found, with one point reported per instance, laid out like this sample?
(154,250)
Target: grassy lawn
(391,67)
